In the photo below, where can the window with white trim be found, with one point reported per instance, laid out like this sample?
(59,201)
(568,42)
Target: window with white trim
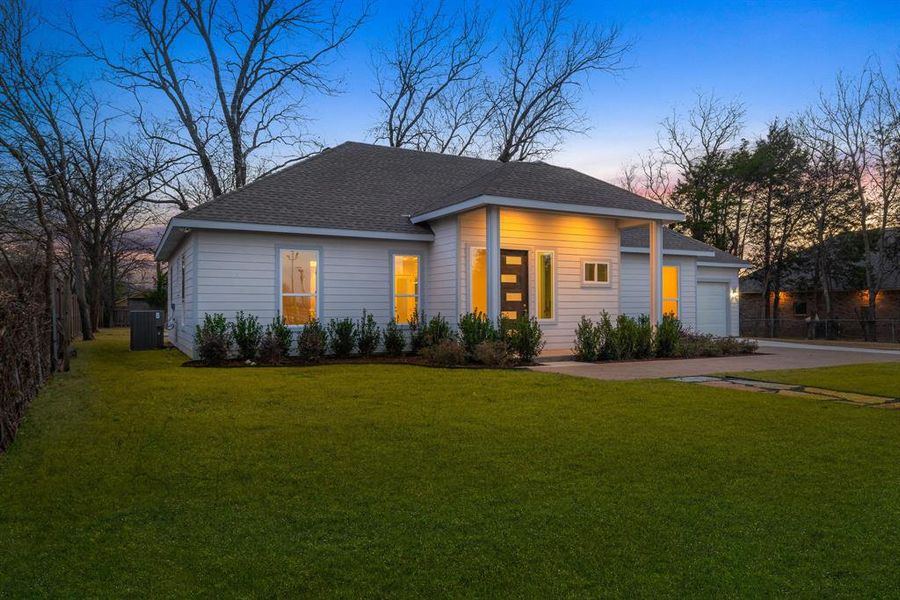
(406,287)
(594,272)
(478,280)
(670,291)
(299,287)
(546,287)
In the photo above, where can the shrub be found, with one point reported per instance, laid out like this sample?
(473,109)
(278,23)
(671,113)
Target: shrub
(367,334)
(312,342)
(692,345)
(643,346)
(626,336)
(247,332)
(446,353)
(282,333)
(474,329)
(493,353)
(587,342)
(275,342)
(417,331)
(394,340)
(270,349)
(668,334)
(342,337)
(438,331)
(428,332)
(606,338)
(524,338)
(213,339)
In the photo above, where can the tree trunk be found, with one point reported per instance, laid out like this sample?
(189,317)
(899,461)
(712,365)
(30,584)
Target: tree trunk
(84,309)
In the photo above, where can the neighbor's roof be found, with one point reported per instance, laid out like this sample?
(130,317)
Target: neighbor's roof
(637,239)
(393,192)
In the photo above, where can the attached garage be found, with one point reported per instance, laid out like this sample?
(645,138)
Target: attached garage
(704,278)
(712,307)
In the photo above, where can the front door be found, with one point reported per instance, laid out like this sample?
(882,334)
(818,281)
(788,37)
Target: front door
(513,283)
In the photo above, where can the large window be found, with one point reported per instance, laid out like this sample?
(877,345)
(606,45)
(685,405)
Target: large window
(299,285)
(406,287)
(478,280)
(545,286)
(670,291)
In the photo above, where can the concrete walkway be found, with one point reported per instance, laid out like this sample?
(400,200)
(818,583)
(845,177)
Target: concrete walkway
(772,355)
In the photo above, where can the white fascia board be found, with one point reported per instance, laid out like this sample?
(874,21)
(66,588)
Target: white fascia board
(161,254)
(734,265)
(666,251)
(583,209)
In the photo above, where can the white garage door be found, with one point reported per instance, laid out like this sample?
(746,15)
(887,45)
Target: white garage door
(712,308)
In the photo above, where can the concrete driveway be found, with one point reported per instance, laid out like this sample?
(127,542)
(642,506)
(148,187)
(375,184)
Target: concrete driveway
(772,355)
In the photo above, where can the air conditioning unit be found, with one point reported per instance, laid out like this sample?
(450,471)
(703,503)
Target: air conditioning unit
(147,329)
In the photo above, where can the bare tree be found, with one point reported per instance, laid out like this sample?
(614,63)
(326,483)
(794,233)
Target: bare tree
(859,117)
(441,90)
(33,134)
(545,63)
(712,126)
(429,82)
(650,176)
(691,170)
(237,104)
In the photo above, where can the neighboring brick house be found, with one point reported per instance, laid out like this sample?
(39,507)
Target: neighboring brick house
(802,307)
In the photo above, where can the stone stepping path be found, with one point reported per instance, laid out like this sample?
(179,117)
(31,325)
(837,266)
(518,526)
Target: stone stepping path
(791,390)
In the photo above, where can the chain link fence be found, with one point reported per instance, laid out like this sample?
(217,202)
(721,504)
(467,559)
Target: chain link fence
(878,330)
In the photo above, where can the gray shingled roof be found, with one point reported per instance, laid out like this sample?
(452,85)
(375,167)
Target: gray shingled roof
(376,188)
(548,183)
(639,237)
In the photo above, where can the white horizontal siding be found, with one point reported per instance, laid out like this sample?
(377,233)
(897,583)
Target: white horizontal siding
(240,270)
(572,238)
(441,285)
(635,291)
(181,307)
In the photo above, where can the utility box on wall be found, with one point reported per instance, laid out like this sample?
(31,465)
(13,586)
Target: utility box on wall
(147,327)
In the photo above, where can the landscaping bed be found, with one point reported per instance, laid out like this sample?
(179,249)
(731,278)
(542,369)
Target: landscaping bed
(627,339)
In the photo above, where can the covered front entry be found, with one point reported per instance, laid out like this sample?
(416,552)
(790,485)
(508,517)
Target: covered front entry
(513,283)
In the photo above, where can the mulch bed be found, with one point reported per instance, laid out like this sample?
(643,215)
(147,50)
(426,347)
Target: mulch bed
(418,361)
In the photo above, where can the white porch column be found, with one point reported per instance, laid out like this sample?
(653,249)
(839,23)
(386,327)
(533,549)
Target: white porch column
(656,262)
(492,246)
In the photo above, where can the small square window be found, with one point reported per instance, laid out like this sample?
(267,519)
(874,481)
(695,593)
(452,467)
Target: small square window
(595,272)
(800,309)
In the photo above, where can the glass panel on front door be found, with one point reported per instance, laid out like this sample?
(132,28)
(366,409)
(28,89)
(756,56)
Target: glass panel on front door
(513,283)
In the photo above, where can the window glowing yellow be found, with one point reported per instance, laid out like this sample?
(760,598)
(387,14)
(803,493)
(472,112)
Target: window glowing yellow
(670,290)
(545,285)
(513,297)
(478,280)
(406,287)
(299,285)
(513,260)
(508,278)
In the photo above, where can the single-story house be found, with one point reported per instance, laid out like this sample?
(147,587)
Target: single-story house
(393,231)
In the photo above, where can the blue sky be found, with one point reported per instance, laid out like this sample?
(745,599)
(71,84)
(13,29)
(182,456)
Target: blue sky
(773,56)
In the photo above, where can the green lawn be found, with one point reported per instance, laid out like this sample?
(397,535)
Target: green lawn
(134,477)
(877,379)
